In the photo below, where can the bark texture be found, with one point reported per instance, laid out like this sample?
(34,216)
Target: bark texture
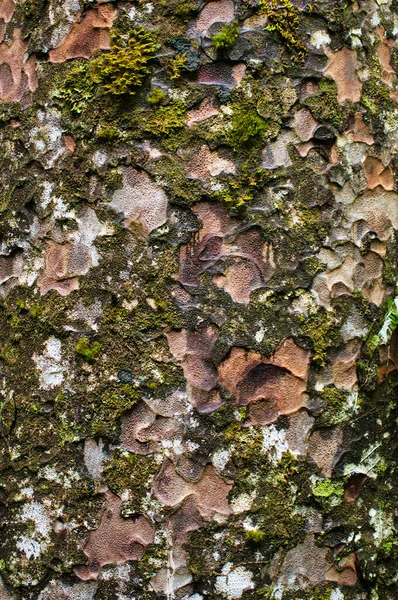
(198,268)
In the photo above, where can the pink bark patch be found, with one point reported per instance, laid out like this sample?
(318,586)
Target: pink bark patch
(210,493)
(221,11)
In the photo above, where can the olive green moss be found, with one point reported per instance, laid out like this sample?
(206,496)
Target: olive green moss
(166,119)
(108,133)
(247,128)
(76,86)
(133,472)
(325,107)
(334,406)
(322,331)
(284,18)
(124,68)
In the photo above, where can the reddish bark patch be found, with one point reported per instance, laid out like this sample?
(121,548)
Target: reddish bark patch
(17,75)
(91,34)
(377,174)
(116,541)
(325,448)
(269,386)
(345,573)
(209,494)
(359,130)
(193,351)
(243,261)
(221,11)
(354,487)
(343,66)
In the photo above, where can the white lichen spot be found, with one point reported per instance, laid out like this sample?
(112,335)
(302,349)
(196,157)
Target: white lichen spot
(274,442)
(36,512)
(32,546)
(234,581)
(50,364)
(259,335)
(99,158)
(94,457)
(355,38)
(382,523)
(242,503)
(47,137)
(220,459)
(369,461)
(336,594)
(320,38)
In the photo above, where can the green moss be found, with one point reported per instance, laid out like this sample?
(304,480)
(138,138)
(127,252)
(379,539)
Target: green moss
(254,536)
(389,271)
(9,353)
(376,95)
(226,38)
(133,472)
(248,128)
(75,86)
(124,68)
(325,488)
(275,104)
(175,65)
(179,8)
(325,107)
(167,119)
(284,18)
(156,96)
(88,351)
(239,192)
(323,333)
(108,133)
(334,407)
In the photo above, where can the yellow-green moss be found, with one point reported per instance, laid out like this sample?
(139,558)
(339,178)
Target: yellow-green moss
(108,133)
(167,119)
(254,536)
(323,333)
(284,18)
(124,68)
(156,96)
(76,86)
(88,351)
(248,128)
(175,65)
(326,488)
(133,472)
(226,38)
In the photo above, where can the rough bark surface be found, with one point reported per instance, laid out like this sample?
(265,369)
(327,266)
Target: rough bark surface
(198,268)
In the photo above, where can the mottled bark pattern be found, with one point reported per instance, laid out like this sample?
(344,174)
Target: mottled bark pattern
(198,269)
